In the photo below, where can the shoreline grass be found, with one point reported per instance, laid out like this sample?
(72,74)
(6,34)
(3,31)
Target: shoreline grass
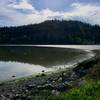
(90,90)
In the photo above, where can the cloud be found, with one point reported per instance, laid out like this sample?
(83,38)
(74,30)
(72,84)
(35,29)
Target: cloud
(23,4)
(82,12)
(13,15)
(88,13)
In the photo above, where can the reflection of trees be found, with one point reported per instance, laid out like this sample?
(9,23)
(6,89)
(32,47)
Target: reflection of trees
(37,55)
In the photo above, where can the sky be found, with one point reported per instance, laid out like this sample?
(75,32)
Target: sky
(23,12)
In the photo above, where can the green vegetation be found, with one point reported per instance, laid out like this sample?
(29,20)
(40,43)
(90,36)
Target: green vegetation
(88,91)
(51,32)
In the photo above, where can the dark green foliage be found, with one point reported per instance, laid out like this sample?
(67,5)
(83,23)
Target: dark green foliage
(88,91)
(51,32)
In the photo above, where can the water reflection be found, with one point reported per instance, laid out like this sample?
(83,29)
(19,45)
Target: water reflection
(38,55)
(24,61)
(17,69)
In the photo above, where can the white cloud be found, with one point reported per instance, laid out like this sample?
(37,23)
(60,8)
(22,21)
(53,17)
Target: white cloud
(83,12)
(88,13)
(23,4)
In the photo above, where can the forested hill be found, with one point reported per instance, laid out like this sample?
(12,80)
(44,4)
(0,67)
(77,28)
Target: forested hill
(51,32)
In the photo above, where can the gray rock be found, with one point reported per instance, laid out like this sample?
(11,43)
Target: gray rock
(81,81)
(60,79)
(30,87)
(30,98)
(3,97)
(55,92)
(16,97)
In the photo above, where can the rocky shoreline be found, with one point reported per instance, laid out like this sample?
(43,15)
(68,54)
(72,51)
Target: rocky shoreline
(43,84)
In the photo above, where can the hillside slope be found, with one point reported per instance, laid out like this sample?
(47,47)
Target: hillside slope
(51,32)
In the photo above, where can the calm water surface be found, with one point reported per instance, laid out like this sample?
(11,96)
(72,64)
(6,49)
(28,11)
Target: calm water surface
(20,61)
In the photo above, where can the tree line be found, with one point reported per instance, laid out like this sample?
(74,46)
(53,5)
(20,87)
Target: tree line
(51,32)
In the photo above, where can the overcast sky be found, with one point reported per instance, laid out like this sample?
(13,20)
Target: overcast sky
(22,12)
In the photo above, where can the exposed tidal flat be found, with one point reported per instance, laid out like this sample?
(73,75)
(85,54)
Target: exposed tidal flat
(69,66)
